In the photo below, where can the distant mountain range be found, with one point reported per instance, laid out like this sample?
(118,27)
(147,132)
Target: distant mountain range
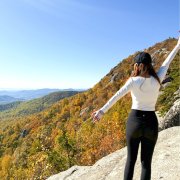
(4,99)
(8,96)
(19,108)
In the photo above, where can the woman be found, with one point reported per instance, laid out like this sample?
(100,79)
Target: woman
(142,124)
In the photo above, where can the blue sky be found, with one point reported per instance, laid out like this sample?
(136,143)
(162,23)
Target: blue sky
(75,43)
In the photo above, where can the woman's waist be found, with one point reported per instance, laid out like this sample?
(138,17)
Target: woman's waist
(143,111)
(143,106)
(143,114)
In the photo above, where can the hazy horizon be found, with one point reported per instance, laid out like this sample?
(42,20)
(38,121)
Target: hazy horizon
(23,89)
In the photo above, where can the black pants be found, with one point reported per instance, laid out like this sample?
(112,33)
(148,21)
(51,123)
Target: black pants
(141,126)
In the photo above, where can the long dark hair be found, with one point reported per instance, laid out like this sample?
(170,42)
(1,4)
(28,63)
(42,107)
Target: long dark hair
(147,68)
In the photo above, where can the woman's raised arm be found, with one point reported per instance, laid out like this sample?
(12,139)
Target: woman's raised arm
(164,67)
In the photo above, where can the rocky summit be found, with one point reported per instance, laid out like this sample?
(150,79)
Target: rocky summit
(165,162)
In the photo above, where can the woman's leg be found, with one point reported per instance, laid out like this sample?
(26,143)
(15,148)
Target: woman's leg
(147,149)
(148,143)
(132,148)
(133,137)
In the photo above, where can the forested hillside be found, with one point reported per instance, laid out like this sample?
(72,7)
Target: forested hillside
(39,145)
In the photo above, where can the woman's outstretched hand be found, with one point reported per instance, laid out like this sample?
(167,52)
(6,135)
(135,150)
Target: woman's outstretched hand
(97,115)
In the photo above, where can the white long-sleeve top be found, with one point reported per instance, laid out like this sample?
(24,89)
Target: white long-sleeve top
(144,91)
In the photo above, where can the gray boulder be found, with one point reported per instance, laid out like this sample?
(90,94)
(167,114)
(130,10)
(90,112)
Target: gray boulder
(172,117)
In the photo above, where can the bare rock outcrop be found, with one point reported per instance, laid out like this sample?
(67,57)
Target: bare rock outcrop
(172,118)
(165,162)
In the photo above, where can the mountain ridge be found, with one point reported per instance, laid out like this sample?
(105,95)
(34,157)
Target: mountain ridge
(4,99)
(34,93)
(35,105)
